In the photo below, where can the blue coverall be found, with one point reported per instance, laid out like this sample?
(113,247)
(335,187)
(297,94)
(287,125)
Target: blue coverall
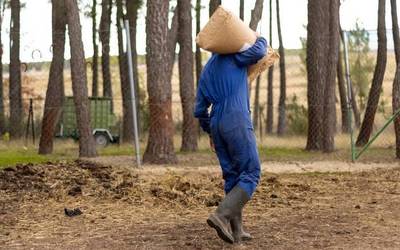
(223,84)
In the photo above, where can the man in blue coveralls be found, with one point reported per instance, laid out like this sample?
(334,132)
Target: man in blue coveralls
(223,84)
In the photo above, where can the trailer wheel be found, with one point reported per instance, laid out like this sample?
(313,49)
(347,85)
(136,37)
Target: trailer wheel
(101,139)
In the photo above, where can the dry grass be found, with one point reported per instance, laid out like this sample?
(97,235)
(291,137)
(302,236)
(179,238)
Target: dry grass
(35,84)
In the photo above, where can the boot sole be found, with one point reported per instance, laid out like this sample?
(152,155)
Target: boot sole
(246,238)
(215,223)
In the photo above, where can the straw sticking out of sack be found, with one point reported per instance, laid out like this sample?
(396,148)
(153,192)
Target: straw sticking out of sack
(262,65)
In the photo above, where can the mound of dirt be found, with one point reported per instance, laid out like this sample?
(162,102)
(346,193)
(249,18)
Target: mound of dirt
(88,179)
(56,180)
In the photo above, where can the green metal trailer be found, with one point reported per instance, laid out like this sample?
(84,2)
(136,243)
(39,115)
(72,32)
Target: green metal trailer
(103,121)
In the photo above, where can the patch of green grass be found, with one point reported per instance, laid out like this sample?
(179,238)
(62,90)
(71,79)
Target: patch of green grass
(289,154)
(17,154)
(13,157)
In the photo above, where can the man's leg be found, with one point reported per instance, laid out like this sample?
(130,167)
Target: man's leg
(220,220)
(242,150)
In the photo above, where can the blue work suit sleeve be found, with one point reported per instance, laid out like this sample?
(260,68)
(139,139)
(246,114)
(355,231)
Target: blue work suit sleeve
(201,110)
(253,54)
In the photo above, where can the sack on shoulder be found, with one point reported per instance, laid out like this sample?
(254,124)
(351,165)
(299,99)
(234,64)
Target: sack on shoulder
(225,33)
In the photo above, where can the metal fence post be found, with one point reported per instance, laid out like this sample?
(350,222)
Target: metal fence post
(349,96)
(132,90)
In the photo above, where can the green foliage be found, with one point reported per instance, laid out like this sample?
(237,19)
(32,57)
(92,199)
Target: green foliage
(297,117)
(361,63)
(6,137)
(382,107)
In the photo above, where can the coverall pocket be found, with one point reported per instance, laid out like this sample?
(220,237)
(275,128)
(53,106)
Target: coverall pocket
(235,120)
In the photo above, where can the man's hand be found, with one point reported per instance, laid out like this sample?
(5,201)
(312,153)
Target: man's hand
(212,146)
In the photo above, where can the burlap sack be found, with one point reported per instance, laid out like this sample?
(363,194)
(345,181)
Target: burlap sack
(225,33)
(267,61)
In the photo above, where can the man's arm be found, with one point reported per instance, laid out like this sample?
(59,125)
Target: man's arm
(201,110)
(253,54)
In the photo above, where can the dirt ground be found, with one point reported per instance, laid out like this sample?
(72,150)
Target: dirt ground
(166,208)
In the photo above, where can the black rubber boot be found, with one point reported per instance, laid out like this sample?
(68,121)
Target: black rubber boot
(229,208)
(237,230)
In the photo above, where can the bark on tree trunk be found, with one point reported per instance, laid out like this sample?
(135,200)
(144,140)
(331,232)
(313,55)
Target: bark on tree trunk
(15,89)
(172,39)
(396,82)
(186,81)
(256,111)
(375,91)
(329,113)
(256,15)
(342,87)
(342,94)
(55,89)
(160,147)
(199,65)
(127,119)
(87,146)
(270,95)
(132,8)
(95,84)
(282,67)
(105,23)
(316,70)
(2,113)
(241,10)
(213,6)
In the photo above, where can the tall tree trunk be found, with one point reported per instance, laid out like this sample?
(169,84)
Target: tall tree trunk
(256,107)
(2,113)
(15,89)
(172,40)
(55,88)
(87,146)
(160,147)
(132,8)
(342,94)
(127,113)
(282,67)
(317,39)
(95,84)
(199,65)
(241,10)
(256,15)
(396,82)
(375,91)
(213,5)
(270,88)
(186,81)
(329,113)
(105,23)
